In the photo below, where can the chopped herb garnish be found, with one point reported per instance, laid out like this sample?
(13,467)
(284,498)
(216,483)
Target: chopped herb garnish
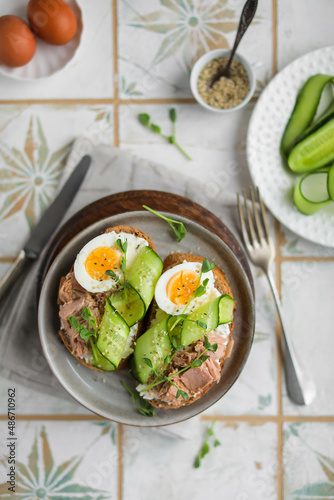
(177,226)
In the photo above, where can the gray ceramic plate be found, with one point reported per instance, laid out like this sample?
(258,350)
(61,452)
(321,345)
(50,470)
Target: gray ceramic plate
(104,394)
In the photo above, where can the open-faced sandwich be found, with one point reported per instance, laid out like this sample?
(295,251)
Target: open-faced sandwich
(105,296)
(182,354)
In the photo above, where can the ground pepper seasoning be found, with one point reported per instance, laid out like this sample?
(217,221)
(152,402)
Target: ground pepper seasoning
(226,92)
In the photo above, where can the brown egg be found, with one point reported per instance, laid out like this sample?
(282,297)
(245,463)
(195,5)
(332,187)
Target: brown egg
(52,20)
(17,42)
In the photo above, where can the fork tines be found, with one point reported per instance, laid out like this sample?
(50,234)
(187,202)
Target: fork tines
(258,235)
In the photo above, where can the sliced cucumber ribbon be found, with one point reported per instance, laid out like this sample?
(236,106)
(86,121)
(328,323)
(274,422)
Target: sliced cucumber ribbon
(315,151)
(213,314)
(304,111)
(125,307)
(314,191)
(155,344)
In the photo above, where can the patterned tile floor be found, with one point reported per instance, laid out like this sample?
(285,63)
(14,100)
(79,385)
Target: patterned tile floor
(136,58)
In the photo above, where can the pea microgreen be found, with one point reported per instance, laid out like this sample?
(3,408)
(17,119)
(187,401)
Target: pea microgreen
(143,406)
(123,247)
(145,120)
(177,226)
(84,332)
(199,291)
(198,361)
(206,447)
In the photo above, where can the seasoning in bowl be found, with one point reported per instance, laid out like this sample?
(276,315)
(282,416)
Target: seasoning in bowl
(226,92)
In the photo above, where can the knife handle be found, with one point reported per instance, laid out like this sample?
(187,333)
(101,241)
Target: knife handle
(13,273)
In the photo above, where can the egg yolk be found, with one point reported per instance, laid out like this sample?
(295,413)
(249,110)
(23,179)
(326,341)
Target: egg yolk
(181,287)
(100,260)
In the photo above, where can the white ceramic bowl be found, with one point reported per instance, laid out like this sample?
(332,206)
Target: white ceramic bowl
(209,56)
(48,59)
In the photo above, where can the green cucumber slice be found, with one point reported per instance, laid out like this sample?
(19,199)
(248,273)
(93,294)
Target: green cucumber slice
(125,307)
(129,304)
(154,345)
(100,361)
(304,111)
(330,182)
(327,115)
(315,151)
(145,273)
(311,192)
(213,314)
(113,334)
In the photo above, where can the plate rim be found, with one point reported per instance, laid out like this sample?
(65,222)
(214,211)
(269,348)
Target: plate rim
(249,286)
(250,132)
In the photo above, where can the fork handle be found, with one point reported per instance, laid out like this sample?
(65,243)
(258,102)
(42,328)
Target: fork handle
(300,387)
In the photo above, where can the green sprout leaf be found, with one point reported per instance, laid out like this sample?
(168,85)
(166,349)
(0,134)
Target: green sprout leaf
(183,394)
(207,266)
(177,226)
(175,343)
(201,324)
(172,115)
(155,128)
(148,362)
(111,273)
(85,333)
(206,447)
(74,322)
(144,407)
(122,246)
(144,119)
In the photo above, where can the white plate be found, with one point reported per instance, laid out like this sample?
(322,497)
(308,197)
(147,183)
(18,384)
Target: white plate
(266,127)
(48,59)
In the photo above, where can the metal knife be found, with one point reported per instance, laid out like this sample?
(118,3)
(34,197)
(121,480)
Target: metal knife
(48,223)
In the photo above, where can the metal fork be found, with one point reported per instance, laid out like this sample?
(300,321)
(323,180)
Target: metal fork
(261,252)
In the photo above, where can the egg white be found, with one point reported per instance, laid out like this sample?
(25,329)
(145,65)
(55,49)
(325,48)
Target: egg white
(166,304)
(135,244)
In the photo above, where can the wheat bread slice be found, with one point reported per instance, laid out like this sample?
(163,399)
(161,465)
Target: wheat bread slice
(223,287)
(63,334)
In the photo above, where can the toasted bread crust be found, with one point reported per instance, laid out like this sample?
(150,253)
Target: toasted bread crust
(63,335)
(223,287)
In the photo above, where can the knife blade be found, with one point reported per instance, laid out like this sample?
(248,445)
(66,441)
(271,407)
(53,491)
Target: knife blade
(47,224)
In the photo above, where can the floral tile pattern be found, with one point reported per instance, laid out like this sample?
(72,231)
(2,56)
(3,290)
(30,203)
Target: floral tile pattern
(293,246)
(34,146)
(306,286)
(240,467)
(313,476)
(175,33)
(48,468)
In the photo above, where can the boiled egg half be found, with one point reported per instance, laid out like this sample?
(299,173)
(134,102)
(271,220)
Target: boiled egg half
(177,285)
(101,254)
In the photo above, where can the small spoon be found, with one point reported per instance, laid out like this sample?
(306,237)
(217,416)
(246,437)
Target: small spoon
(246,17)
